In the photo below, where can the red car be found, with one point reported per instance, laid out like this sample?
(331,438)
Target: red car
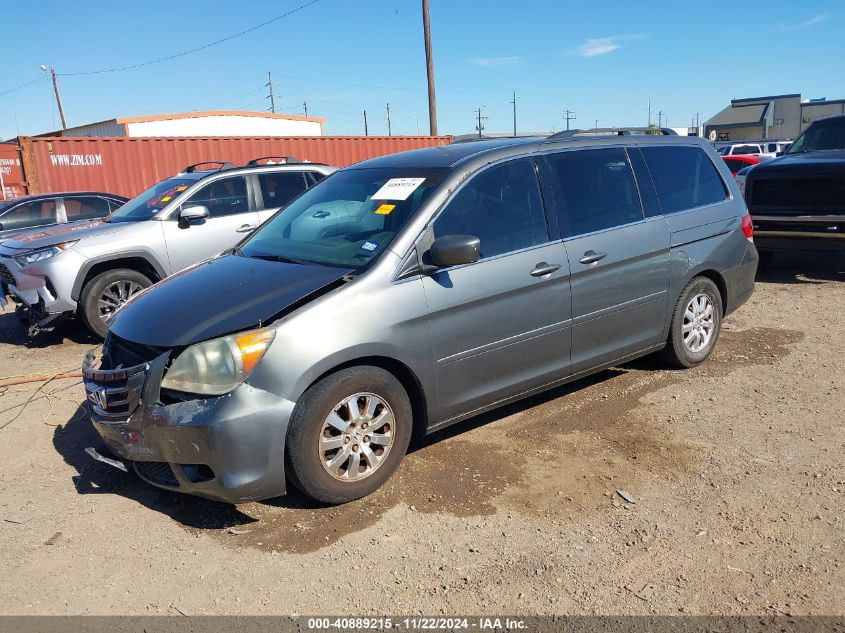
(739,161)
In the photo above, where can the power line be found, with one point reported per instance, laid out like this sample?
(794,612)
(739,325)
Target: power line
(28,83)
(197,49)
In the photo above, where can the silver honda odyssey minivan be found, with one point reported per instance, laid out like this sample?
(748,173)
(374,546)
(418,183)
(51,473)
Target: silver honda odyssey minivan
(408,292)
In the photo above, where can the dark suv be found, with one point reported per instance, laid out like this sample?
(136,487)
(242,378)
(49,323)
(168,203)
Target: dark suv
(797,201)
(408,292)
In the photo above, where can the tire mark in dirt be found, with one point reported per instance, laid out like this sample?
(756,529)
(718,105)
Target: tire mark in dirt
(549,455)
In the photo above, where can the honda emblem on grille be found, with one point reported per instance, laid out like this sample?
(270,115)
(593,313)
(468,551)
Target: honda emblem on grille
(99,397)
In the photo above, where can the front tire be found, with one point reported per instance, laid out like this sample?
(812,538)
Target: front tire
(348,434)
(104,294)
(696,324)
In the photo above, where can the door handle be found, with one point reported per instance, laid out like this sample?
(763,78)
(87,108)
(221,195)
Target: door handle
(246,228)
(591,257)
(544,269)
(321,214)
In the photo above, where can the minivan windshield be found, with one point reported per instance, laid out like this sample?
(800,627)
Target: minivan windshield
(145,205)
(347,220)
(821,135)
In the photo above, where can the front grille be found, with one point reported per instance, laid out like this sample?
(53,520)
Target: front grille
(113,394)
(157,473)
(824,194)
(6,275)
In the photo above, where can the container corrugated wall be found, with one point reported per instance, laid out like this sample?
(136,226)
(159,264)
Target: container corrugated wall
(127,166)
(11,174)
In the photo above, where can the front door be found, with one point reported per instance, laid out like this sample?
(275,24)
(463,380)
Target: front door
(230,220)
(619,260)
(499,326)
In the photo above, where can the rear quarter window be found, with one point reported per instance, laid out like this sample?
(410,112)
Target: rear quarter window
(684,177)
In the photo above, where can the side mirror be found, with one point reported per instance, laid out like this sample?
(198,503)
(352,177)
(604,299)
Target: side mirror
(189,215)
(454,250)
(1,226)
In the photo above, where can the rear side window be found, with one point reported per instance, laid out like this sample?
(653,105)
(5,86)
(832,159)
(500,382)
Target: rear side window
(316,176)
(222,197)
(746,149)
(594,190)
(734,165)
(87,208)
(501,206)
(35,213)
(281,187)
(684,177)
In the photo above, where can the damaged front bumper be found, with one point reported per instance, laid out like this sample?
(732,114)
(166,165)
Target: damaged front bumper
(228,448)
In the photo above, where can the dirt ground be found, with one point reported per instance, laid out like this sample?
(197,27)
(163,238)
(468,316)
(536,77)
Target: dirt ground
(640,490)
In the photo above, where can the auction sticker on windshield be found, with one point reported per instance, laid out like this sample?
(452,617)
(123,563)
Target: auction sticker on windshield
(398,188)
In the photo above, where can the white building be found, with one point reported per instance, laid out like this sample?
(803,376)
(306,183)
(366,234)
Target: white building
(213,123)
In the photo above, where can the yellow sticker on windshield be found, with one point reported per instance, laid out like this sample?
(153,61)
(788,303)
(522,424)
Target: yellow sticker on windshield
(166,199)
(182,188)
(385,209)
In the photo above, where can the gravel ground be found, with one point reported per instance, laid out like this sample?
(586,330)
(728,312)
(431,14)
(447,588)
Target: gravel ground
(640,490)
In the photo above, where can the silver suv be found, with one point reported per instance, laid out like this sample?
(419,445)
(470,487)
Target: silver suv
(93,268)
(408,292)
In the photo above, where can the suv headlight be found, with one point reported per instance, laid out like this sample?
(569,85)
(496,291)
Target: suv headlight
(218,366)
(42,253)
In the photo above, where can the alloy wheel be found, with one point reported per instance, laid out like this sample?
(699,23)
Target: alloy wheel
(356,437)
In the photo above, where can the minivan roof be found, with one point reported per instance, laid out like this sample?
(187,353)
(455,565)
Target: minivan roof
(452,155)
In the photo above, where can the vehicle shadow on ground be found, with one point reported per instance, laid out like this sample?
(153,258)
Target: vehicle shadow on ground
(13,332)
(93,477)
(799,267)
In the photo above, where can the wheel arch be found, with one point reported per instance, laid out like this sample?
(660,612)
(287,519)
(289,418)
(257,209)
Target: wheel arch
(138,261)
(717,278)
(405,375)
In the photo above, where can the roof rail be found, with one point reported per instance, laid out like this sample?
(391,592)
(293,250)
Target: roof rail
(618,131)
(280,160)
(223,165)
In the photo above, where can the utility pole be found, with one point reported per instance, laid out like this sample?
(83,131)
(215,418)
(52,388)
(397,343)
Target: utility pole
(660,118)
(649,113)
(569,116)
(58,96)
(389,129)
(480,126)
(429,69)
(366,130)
(597,124)
(514,112)
(272,99)
(305,107)
(697,121)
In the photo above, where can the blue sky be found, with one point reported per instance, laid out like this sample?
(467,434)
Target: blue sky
(602,60)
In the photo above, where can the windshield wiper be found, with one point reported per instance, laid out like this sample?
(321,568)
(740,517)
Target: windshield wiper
(278,258)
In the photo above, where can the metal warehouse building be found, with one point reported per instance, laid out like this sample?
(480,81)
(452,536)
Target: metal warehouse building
(213,123)
(776,116)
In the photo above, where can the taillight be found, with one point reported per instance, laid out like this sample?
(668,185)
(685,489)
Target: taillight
(748,227)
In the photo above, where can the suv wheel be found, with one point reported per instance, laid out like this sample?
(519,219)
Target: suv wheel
(696,324)
(105,293)
(348,434)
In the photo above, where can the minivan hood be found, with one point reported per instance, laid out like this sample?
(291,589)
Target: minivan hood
(31,239)
(217,297)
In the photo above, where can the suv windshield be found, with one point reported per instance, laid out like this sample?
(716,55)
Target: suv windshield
(347,220)
(145,205)
(821,135)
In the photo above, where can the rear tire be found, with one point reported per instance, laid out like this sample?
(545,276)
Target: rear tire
(105,293)
(696,324)
(348,434)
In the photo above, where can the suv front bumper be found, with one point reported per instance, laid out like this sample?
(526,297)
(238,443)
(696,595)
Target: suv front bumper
(46,285)
(228,448)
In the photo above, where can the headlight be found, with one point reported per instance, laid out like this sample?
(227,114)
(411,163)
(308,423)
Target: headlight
(218,366)
(43,253)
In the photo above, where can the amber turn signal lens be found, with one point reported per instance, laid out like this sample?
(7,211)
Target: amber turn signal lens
(252,346)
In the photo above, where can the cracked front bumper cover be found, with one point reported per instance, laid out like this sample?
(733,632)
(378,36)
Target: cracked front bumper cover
(228,448)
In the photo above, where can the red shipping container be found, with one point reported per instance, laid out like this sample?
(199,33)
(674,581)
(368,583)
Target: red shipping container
(127,166)
(11,174)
